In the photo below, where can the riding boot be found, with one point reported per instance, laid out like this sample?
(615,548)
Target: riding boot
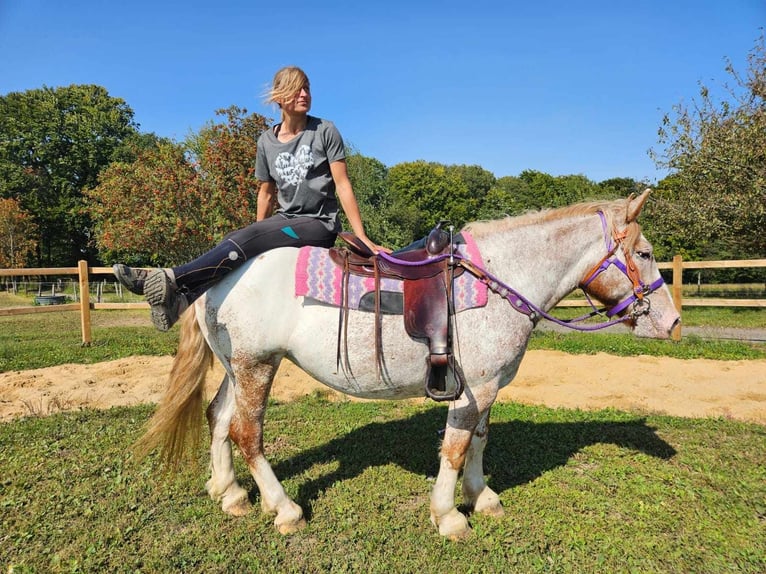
(171,291)
(131,278)
(167,303)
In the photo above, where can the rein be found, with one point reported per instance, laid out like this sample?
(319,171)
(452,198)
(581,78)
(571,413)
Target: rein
(641,305)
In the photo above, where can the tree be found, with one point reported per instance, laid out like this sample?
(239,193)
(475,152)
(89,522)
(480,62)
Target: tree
(715,149)
(546,190)
(177,200)
(17,233)
(618,187)
(224,156)
(148,211)
(438,192)
(53,144)
(509,196)
(385,221)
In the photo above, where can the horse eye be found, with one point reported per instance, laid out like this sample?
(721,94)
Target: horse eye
(645,255)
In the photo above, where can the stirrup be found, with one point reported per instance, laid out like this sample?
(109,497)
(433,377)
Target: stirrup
(438,377)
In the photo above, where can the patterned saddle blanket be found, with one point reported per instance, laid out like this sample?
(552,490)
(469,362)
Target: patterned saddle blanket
(319,278)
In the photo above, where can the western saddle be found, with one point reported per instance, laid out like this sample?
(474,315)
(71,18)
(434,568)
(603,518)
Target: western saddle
(426,269)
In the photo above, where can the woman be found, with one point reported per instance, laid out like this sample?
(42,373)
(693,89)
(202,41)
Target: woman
(301,162)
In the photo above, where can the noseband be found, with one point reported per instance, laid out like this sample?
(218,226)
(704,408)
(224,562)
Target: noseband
(641,305)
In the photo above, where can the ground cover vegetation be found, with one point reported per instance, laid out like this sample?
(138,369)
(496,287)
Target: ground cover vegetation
(598,491)
(50,339)
(80,178)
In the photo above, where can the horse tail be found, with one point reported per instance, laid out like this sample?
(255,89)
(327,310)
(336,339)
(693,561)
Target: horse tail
(176,425)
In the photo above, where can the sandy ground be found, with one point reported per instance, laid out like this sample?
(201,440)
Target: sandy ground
(699,388)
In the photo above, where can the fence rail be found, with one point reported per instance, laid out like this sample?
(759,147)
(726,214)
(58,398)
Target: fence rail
(85,305)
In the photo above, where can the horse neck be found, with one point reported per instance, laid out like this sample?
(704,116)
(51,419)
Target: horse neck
(545,261)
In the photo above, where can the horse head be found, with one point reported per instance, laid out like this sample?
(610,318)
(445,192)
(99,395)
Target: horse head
(627,279)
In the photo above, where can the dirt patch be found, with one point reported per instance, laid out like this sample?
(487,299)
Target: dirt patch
(699,388)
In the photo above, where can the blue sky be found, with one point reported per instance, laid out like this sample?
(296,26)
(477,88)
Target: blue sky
(560,87)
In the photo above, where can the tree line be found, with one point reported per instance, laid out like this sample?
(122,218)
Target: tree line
(80,180)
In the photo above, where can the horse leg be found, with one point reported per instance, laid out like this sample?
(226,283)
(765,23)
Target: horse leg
(222,486)
(444,515)
(251,393)
(476,493)
(464,418)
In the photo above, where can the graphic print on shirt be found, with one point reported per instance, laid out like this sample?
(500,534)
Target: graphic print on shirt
(293,168)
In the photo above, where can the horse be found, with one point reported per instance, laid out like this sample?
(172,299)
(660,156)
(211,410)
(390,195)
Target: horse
(252,319)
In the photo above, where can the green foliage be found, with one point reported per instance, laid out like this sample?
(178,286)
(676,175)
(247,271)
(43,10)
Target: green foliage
(160,203)
(583,492)
(53,143)
(224,156)
(385,221)
(145,211)
(619,187)
(714,203)
(548,191)
(438,192)
(508,196)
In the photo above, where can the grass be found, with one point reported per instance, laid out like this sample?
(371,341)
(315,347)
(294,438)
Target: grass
(726,290)
(732,317)
(729,317)
(69,289)
(49,339)
(624,344)
(584,492)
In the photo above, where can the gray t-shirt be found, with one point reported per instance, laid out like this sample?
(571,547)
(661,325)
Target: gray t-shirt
(301,170)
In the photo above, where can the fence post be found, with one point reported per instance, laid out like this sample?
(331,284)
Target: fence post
(82,268)
(678,281)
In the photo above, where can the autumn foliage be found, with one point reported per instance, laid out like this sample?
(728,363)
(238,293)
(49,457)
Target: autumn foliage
(176,201)
(17,235)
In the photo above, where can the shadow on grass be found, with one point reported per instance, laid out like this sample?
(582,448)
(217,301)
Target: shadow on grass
(517,452)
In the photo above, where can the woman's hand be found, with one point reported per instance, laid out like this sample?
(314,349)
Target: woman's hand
(373,246)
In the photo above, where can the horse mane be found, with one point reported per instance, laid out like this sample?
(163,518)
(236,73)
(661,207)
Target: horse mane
(613,210)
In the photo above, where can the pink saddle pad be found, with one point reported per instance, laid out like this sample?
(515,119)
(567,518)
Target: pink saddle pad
(317,277)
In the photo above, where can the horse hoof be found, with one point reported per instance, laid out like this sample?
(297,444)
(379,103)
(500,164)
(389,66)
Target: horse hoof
(458,536)
(453,525)
(488,503)
(287,528)
(239,508)
(493,511)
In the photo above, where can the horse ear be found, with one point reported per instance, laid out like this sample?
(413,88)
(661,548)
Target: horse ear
(635,205)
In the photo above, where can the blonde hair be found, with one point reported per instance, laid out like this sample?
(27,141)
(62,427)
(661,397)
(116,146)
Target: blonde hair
(288,81)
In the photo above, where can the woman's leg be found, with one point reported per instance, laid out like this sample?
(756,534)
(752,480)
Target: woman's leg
(169,292)
(246,243)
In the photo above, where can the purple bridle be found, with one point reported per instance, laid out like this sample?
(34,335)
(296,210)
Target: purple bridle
(641,305)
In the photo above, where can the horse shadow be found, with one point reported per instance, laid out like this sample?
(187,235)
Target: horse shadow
(517,452)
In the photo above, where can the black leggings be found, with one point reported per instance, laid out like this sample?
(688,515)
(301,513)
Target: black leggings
(195,277)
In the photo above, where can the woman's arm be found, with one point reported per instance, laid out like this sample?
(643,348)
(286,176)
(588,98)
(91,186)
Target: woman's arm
(348,202)
(265,201)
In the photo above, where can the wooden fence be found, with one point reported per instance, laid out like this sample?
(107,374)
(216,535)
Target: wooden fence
(84,305)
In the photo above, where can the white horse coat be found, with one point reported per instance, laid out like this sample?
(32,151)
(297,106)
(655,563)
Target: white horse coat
(252,319)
